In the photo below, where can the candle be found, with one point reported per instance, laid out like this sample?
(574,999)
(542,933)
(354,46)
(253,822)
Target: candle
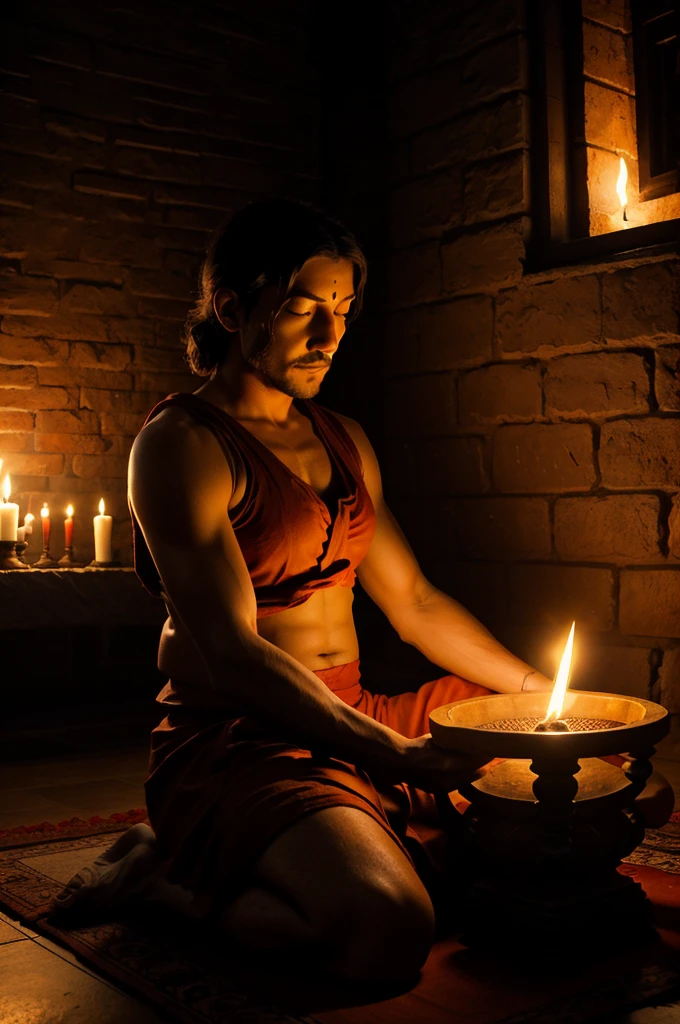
(102,535)
(68,527)
(45,516)
(9,513)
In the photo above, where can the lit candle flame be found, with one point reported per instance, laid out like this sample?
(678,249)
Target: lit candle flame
(69,511)
(561,680)
(45,511)
(28,518)
(621,184)
(101,507)
(6,488)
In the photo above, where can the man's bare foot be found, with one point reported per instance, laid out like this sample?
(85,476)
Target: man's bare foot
(122,871)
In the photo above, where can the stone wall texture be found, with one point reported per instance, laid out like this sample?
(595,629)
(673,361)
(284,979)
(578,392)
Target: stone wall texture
(126,135)
(531,427)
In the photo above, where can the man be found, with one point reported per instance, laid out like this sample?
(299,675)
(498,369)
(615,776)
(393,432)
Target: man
(290,804)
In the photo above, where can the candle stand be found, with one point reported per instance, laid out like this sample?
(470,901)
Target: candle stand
(94,564)
(536,852)
(66,560)
(8,556)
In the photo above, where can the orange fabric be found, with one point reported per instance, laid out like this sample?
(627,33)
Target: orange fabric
(221,789)
(292,543)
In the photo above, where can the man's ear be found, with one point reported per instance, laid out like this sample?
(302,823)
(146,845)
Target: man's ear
(227,308)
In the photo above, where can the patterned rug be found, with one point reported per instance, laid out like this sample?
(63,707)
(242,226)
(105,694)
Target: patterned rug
(195,977)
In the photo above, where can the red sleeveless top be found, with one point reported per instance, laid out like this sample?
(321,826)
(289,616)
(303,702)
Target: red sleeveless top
(292,543)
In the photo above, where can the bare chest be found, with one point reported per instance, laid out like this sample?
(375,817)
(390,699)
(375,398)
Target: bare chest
(300,451)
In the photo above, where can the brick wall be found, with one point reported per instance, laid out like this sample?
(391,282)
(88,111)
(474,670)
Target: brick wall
(531,430)
(126,134)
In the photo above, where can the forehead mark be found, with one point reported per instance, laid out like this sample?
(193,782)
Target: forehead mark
(334,294)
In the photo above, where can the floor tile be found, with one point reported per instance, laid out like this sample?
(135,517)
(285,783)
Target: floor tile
(41,987)
(10,934)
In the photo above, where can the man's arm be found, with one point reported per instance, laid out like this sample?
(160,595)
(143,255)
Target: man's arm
(422,615)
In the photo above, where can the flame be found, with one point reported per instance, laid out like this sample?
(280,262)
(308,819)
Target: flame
(45,511)
(69,511)
(561,679)
(28,518)
(6,488)
(101,507)
(621,184)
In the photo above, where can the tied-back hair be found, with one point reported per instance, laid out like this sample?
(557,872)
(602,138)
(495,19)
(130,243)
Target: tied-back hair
(263,243)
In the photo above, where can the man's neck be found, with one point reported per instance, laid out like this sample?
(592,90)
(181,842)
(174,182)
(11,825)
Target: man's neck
(245,394)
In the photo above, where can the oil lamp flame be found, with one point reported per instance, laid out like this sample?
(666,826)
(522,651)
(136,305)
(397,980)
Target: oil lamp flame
(561,680)
(6,488)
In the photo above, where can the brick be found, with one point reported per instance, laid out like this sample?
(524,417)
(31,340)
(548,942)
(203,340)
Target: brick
(601,384)
(450,466)
(611,669)
(640,453)
(166,382)
(156,165)
(124,331)
(28,295)
(110,186)
(473,25)
(31,351)
(610,119)
(32,399)
(484,260)
(414,275)
(498,529)
(608,56)
(650,602)
(674,527)
(641,303)
(68,328)
(410,103)
(419,406)
(543,458)
(497,68)
(500,126)
(615,528)
(500,393)
(160,360)
(480,588)
(556,595)
(94,299)
(18,377)
(426,207)
(159,284)
(162,309)
(124,244)
(100,357)
(75,376)
(103,400)
(38,464)
(497,187)
(615,13)
(16,420)
(87,444)
(667,378)
(69,270)
(15,442)
(64,422)
(553,314)
(119,444)
(454,333)
(122,422)
(669,681)
(91,466)
(19,237)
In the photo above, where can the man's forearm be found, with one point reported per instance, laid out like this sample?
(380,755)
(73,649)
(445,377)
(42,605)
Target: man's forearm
(450,636)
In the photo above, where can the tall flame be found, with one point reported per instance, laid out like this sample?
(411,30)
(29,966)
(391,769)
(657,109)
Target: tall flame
(101,507)
(69,511)
(561,679)
(6,488)
(621,183)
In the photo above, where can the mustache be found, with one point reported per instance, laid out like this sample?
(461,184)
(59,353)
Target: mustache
(323,361)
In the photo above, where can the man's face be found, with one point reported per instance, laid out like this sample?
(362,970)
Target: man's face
(307,330)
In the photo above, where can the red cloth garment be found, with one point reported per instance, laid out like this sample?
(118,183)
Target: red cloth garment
(292,543)
(221,789)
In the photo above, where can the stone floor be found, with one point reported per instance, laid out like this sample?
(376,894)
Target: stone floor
(76,770)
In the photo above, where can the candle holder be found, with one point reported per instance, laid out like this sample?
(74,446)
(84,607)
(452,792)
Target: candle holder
(66,560)
(45,562)
(8,556)
(94,564)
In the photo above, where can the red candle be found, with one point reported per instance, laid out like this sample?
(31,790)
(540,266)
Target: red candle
(45,516)
(68,527)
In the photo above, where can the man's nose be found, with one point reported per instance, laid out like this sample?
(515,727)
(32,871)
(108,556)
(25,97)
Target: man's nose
(327,333)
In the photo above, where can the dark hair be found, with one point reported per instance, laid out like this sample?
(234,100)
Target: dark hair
(263,243)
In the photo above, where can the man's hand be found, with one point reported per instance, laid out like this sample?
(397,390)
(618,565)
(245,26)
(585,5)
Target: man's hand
(429,767)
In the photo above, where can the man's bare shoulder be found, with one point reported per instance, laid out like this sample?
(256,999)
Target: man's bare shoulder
(174,430)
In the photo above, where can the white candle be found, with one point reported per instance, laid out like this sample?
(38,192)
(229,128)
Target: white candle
(9,513)
(28,523)
(103,526)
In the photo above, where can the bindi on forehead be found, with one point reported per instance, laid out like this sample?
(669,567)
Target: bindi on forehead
(334,293)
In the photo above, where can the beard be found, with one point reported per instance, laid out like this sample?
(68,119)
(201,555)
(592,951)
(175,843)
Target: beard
(286,377)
